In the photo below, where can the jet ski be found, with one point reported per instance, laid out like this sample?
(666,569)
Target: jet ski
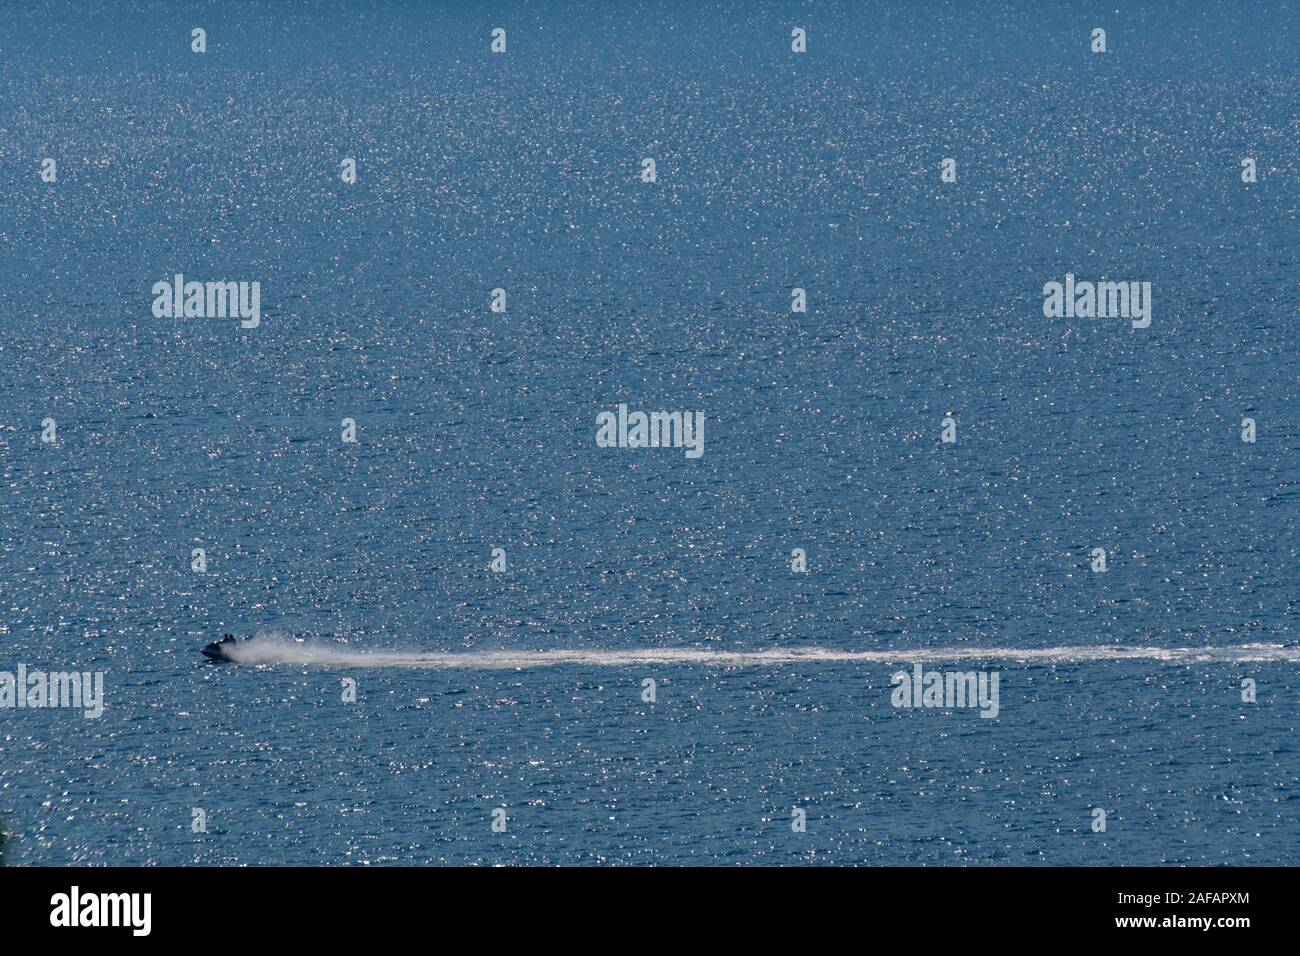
(220,650)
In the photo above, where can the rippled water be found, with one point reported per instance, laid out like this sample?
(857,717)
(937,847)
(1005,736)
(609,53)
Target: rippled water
(476,431)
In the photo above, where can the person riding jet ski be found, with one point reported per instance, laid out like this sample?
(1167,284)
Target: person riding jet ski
(220,650)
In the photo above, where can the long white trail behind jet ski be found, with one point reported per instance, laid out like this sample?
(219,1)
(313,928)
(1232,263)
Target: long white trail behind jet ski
(265,650)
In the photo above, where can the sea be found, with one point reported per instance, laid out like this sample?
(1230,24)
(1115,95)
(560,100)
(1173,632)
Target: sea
(477,635)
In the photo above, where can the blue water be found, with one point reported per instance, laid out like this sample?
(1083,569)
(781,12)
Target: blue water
(477,430)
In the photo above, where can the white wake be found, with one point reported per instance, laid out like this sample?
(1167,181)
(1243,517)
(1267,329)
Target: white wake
(270,650)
